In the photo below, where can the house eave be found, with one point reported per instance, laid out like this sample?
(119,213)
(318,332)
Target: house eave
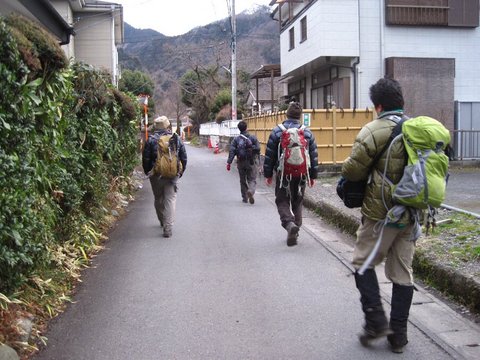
(47,15)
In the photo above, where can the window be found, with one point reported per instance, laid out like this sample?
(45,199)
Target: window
(296,90)
(292,38)
(303,29)
(461,13)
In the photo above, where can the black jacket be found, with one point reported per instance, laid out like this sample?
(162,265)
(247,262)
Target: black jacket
(233,146)
(149,155)
(271,153)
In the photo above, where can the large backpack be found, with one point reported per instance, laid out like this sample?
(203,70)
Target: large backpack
(424,179)
(293,154)
(244,148)
(167,164)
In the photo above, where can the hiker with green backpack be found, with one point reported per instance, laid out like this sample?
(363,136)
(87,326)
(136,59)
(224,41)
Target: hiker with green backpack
(401,166)
(164,160)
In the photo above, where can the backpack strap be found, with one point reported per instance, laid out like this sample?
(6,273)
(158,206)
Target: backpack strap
(395,132)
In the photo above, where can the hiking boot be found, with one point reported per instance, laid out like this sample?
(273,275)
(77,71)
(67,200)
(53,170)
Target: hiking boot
(167,232)
(397,342)
(251,200)
(292,236)
(376,326)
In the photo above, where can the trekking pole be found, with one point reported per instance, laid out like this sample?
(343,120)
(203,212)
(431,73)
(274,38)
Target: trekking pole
(374,252)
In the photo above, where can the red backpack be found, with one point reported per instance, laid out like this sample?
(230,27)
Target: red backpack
(293,155)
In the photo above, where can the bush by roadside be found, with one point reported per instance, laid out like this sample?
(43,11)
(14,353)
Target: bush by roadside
(449,257)
(68,148)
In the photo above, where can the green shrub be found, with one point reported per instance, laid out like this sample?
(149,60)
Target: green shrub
(65,136)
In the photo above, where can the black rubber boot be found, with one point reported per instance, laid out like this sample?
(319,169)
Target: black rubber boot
(401,301)
(376,324)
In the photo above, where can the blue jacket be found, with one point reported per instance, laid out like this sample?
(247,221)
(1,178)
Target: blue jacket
(271,153)
(234,145)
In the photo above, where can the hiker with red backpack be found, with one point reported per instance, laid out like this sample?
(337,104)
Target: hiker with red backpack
(247,150)
(292,155)
(164,160)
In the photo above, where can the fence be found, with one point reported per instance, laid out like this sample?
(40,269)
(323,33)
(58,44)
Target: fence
(467,144)
(334,130)
(227,128)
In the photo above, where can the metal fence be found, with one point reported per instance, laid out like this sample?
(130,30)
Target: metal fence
(226,128)
(466,144)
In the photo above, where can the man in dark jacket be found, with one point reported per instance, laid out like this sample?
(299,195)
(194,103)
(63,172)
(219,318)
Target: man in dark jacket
(247,150)
(164,189)
(396,239)
(289,192)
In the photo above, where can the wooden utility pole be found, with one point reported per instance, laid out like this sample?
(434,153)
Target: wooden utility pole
(234,62)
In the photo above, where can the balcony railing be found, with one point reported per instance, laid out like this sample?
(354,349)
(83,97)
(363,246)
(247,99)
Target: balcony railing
(417,15)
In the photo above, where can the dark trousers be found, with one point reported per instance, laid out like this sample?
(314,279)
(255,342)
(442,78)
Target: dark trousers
(289,200)
(248,177)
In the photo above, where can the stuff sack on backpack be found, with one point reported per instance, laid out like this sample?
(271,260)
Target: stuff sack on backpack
(424,180)
(167,164)
(244,148)
(294,158)
(351,192)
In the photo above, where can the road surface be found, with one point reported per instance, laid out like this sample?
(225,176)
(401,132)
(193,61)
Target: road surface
(225,286)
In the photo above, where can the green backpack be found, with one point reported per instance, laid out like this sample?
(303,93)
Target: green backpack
(424,179)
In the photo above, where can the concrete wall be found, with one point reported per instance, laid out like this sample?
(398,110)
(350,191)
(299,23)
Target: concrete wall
(379,42)
(94,42)
(332,30)
(350,28)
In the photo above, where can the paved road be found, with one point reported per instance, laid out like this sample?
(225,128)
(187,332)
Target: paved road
(463,189)
(225,286)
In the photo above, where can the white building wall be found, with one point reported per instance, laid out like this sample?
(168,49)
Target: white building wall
(64,9)
(94,41)
(379,41)
(332,30)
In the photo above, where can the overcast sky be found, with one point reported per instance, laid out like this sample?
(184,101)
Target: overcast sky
(176,17)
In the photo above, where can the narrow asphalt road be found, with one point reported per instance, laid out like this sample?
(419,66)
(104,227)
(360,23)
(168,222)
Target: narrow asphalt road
(225,286)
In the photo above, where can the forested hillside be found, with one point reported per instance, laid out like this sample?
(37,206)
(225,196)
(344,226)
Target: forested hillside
(166,59)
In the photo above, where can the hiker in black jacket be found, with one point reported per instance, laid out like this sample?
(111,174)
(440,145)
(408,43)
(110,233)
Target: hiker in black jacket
(289,193)
(247,150)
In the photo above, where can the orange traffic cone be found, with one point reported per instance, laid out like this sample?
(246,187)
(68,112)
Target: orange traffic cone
(209,143)
(217,150)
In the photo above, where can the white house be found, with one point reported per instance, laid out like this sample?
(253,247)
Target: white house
(88,30)
(98,29)
(331,51)
(42,12)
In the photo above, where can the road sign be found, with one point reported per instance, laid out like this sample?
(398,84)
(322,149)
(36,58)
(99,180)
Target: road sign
(306,119)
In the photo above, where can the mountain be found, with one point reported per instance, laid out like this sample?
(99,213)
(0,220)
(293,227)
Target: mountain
(167,58)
